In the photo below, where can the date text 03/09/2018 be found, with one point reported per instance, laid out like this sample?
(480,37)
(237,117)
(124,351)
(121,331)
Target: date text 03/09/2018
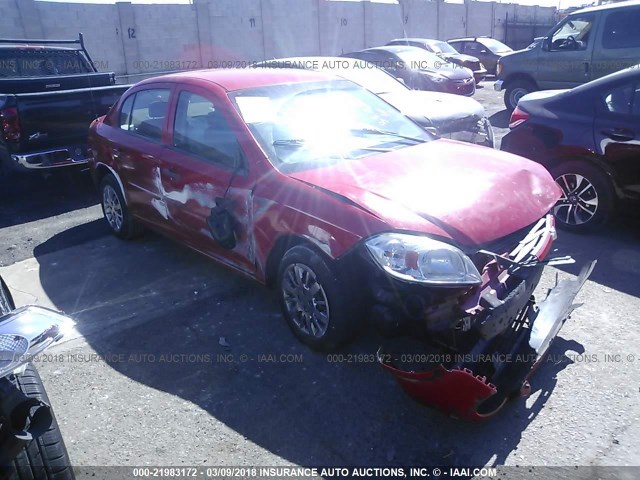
(312,472)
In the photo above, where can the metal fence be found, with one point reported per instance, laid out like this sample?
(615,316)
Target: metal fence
(519,34)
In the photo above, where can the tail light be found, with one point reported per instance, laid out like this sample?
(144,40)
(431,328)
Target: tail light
(518,116)
(10,123)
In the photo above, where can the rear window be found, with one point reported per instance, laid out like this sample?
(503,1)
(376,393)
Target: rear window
(621,29)
(144,112)
(42,63)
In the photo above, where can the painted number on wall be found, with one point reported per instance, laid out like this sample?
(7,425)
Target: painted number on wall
(406,19)
(343,22)
(252,22)
(131,32)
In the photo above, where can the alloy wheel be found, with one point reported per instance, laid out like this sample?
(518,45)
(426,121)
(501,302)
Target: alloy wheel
(305,300)
(579,201)
(112,208)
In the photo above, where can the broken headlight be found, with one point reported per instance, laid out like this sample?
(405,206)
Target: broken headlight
(421,259)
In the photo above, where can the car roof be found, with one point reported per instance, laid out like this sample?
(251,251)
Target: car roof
(609,6)
(418,39)
(467,39)
(304,63)
(241,78)
(392,48)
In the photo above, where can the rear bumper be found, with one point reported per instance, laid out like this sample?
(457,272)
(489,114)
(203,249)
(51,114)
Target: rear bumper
(50,158)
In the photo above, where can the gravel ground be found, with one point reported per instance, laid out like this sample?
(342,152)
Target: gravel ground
(177,361)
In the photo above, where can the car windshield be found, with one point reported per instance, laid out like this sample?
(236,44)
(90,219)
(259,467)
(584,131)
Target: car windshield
(442,47)
(303,126)
(368,76)
(494,45)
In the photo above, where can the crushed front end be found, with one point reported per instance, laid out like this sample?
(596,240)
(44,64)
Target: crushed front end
(481,333)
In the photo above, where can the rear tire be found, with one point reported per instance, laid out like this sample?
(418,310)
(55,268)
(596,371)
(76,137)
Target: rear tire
(588,198)
(516,90)
(46,457)
(115,211)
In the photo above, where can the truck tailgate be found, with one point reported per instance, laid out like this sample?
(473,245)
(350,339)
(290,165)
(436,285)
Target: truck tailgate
(60,118)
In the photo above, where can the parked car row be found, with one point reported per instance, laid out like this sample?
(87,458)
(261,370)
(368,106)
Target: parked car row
(450,116)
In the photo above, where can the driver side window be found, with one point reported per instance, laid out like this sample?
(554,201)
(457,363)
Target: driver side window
(572,35)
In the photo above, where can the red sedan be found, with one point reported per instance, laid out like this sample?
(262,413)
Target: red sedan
(316,186)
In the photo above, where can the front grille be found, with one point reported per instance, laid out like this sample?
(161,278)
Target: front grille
(462,87)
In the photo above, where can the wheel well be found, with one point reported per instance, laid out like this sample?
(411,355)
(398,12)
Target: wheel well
(282,245)
(519,76)
(101,171)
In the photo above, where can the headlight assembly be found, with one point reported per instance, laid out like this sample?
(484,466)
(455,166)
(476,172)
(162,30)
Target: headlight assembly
(420,259)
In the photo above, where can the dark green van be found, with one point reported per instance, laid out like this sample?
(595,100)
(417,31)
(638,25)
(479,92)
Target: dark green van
(585,45)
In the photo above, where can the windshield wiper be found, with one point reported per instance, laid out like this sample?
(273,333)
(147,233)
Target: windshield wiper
(288,141)
(375,131)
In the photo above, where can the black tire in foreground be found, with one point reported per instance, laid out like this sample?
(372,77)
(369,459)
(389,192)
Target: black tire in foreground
(44,458)
(320,306)
(588,197)
(115,211)
(517,89)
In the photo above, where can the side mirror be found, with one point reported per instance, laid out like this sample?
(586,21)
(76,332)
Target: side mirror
(546,42)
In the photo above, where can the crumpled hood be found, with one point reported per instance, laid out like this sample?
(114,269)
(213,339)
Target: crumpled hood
(468,193)
(440,108)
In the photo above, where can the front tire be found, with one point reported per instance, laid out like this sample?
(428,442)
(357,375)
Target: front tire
(588,197)
(115,211)
(321,308)
(46,457)
(516,90)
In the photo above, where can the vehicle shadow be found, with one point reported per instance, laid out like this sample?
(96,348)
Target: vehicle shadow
(151,298)
(33,197)
(616,247)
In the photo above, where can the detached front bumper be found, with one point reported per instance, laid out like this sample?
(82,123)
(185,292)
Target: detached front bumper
(476,384)
(477,347)
(499,85)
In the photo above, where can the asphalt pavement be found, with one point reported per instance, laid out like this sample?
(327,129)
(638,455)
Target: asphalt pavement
(178,361)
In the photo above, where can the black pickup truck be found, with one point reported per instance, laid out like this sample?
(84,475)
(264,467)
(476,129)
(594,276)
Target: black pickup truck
(49,95)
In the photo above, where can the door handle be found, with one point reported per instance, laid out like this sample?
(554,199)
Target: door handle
(171,174)
(619,134)
(586,68)
(115,153)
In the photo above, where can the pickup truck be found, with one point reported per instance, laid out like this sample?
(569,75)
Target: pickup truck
(586,45)
(49,95)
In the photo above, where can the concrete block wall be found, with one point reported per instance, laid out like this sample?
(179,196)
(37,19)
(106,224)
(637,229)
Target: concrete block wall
(134,39)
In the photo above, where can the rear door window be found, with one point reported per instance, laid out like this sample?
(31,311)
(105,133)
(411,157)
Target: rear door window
(621,29)
(622,100)
(149,112)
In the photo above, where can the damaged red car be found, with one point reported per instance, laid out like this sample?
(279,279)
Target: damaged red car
(358,218)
